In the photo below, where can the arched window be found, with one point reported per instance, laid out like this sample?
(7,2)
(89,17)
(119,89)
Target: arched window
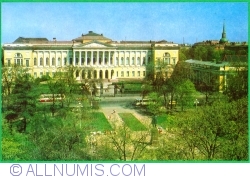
(166,58)
(47,61)
(59,61)
(133,60)
(127,61)
(138,61)
(41,61)
(18,59)
(35,61)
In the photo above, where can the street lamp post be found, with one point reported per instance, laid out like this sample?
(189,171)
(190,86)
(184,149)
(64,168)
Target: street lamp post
(196,103)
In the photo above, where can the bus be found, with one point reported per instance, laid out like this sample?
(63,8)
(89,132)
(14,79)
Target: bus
(49,97)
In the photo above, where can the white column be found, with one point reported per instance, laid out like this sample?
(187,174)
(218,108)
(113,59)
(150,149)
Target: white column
(97,74)
(119,57)
(67,60)
(141,58)
(103,57)
(109,58)
(97,56)
(80,58)
(56,59)
(115,58)
(130,58)
(86,58)
(44,59)
(74,58)
(135,58)
(49,59)
(91,58)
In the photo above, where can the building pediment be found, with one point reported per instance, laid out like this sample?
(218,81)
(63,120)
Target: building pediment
(93,44)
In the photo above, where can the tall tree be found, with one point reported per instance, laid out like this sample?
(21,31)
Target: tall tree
(186,93)
(23,100)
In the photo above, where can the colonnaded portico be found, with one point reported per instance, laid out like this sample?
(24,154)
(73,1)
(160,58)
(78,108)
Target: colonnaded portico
(92,55)
(109,58)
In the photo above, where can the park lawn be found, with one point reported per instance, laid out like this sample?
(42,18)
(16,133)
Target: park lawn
(132,122)
(97,122)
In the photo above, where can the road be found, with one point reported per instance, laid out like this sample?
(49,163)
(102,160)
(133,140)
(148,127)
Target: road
(118,100)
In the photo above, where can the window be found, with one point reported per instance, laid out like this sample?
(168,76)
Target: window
(144,73)
(35,74)
(59,61)
(47,61)
(133,73)
(27,62)
(41,61)
(35,61)
(174,61)
(138,73)
(127,73)
(122,61)
(127,61)
(53,61)
(144,61)
(76,61)
(166,58)
(18,59)
(9,62)
(133,60)
(122,74)
(41,74)
(111,61)
(138,60)
(82,61)
(65,61)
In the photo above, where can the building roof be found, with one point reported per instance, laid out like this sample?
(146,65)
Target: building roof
(91,36)
(207,63)
(30,40)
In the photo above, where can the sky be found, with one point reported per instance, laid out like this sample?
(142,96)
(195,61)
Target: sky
(187,22)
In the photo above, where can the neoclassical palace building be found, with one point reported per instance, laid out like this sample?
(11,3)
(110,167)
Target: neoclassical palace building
(95,56)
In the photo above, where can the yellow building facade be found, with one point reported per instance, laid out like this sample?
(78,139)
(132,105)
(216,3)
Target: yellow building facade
(93,55)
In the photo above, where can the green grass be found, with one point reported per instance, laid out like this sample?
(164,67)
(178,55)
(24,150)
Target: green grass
(97,122)
(132,122)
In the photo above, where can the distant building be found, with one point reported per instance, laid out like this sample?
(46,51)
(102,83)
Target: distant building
(223,43)
(215,73)
(95,56)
